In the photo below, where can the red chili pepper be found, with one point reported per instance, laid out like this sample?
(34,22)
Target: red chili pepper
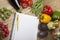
(48,10)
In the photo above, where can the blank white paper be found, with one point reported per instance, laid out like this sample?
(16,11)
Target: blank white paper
(28,27)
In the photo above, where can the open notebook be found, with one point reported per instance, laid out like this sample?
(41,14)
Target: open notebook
(25,27)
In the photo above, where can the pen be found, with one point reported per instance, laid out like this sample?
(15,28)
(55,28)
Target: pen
(18,19)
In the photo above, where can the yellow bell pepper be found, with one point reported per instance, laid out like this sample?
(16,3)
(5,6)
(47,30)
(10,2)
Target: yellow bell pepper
(44,18)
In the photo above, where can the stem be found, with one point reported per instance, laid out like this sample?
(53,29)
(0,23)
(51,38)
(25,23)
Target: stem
(0,35)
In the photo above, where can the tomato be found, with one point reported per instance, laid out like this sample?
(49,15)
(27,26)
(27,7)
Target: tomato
(23,1)
(24,5)
(1,24)
(3,34)
(6,35)
(48,10)
(29,2)
(4,29)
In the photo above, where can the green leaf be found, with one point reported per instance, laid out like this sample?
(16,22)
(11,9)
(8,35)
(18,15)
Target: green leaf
(20,10)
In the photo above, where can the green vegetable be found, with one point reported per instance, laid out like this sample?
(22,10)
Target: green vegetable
(0,34)
(37,7)
(20,10)
(5,13)
(56,15)
(52,25)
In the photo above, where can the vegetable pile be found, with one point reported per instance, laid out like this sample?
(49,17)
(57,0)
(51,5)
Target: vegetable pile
(4,15)
(4,32)
(36,7)
(48,20)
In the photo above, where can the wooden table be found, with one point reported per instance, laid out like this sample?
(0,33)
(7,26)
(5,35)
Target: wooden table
(55,4)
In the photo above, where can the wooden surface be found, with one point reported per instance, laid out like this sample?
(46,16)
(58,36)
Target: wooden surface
(55,4)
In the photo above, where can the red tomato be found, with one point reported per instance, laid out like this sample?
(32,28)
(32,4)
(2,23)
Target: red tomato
(23,1)
(4,29)
(6,35)
(29,2)
(1,24)
(48,10)
(3,34)
(24,5)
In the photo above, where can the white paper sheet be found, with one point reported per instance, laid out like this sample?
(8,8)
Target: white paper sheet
(27,28)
